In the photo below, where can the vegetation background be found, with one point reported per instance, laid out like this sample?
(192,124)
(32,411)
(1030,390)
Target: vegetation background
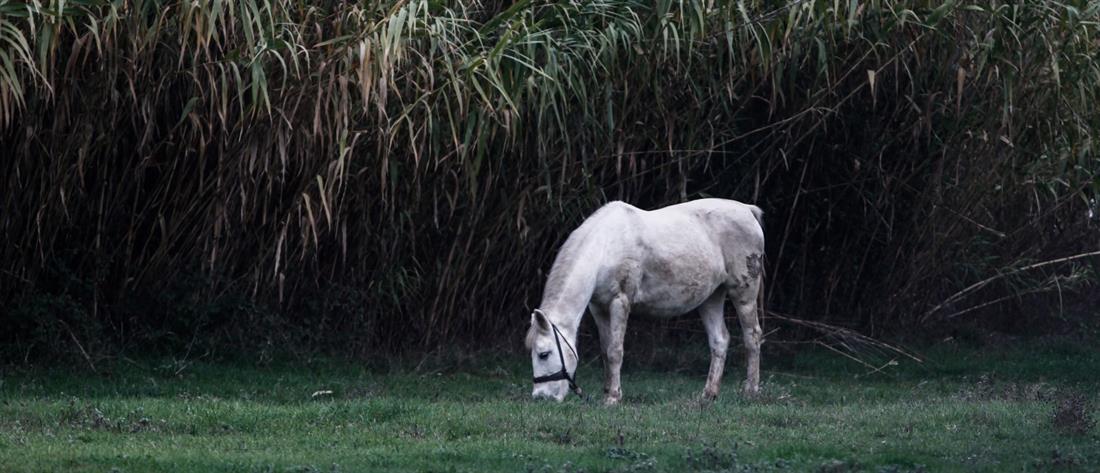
(355,177)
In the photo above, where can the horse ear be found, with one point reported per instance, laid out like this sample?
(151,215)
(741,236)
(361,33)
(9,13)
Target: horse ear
(538,319)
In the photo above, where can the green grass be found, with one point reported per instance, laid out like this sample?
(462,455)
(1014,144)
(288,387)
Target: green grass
(964,410)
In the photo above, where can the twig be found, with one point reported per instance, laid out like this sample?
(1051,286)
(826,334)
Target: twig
(892,362)
(792,375)
(78,345)
(184,363)
(994,231)
(989,303)
(980,284)
(846,355)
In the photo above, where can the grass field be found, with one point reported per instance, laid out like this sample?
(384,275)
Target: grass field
(964,410)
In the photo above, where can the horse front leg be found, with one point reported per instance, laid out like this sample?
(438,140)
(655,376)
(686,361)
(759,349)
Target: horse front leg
(603,326)
(618,312)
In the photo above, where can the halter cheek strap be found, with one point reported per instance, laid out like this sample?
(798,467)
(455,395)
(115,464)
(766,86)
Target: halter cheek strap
(562,374)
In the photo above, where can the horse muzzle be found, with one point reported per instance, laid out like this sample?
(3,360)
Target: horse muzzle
(553,390)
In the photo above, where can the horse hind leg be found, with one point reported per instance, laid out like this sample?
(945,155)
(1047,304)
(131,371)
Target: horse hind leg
(745,302)
(719,339)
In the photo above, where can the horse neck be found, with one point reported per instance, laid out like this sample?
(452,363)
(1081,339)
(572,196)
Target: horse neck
(572,281)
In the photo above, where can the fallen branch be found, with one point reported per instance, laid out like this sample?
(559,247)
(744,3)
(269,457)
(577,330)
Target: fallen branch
(845,337)
(980,284)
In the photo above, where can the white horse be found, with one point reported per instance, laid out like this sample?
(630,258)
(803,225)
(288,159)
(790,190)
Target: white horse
(662,263)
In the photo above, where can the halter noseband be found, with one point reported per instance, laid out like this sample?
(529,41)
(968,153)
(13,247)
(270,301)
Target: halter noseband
(562,374)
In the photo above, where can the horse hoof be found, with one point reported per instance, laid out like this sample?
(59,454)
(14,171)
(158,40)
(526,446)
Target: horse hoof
(710,395)
(611,401)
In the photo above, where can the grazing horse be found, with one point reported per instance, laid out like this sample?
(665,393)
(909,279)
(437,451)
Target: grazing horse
(661,263)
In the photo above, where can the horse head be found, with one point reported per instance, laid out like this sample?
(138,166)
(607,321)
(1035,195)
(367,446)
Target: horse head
(553,359)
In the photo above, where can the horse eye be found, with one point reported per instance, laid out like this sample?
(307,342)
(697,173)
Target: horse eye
(544,355)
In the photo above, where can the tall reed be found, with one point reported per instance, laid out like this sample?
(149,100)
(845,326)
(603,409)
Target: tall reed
(378,174)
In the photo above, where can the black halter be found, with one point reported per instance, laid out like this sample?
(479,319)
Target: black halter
(562,374)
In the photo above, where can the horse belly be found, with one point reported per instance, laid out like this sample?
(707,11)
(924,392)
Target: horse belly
(676,289)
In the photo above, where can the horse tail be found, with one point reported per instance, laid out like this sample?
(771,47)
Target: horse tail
(759,215)
(760,298)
